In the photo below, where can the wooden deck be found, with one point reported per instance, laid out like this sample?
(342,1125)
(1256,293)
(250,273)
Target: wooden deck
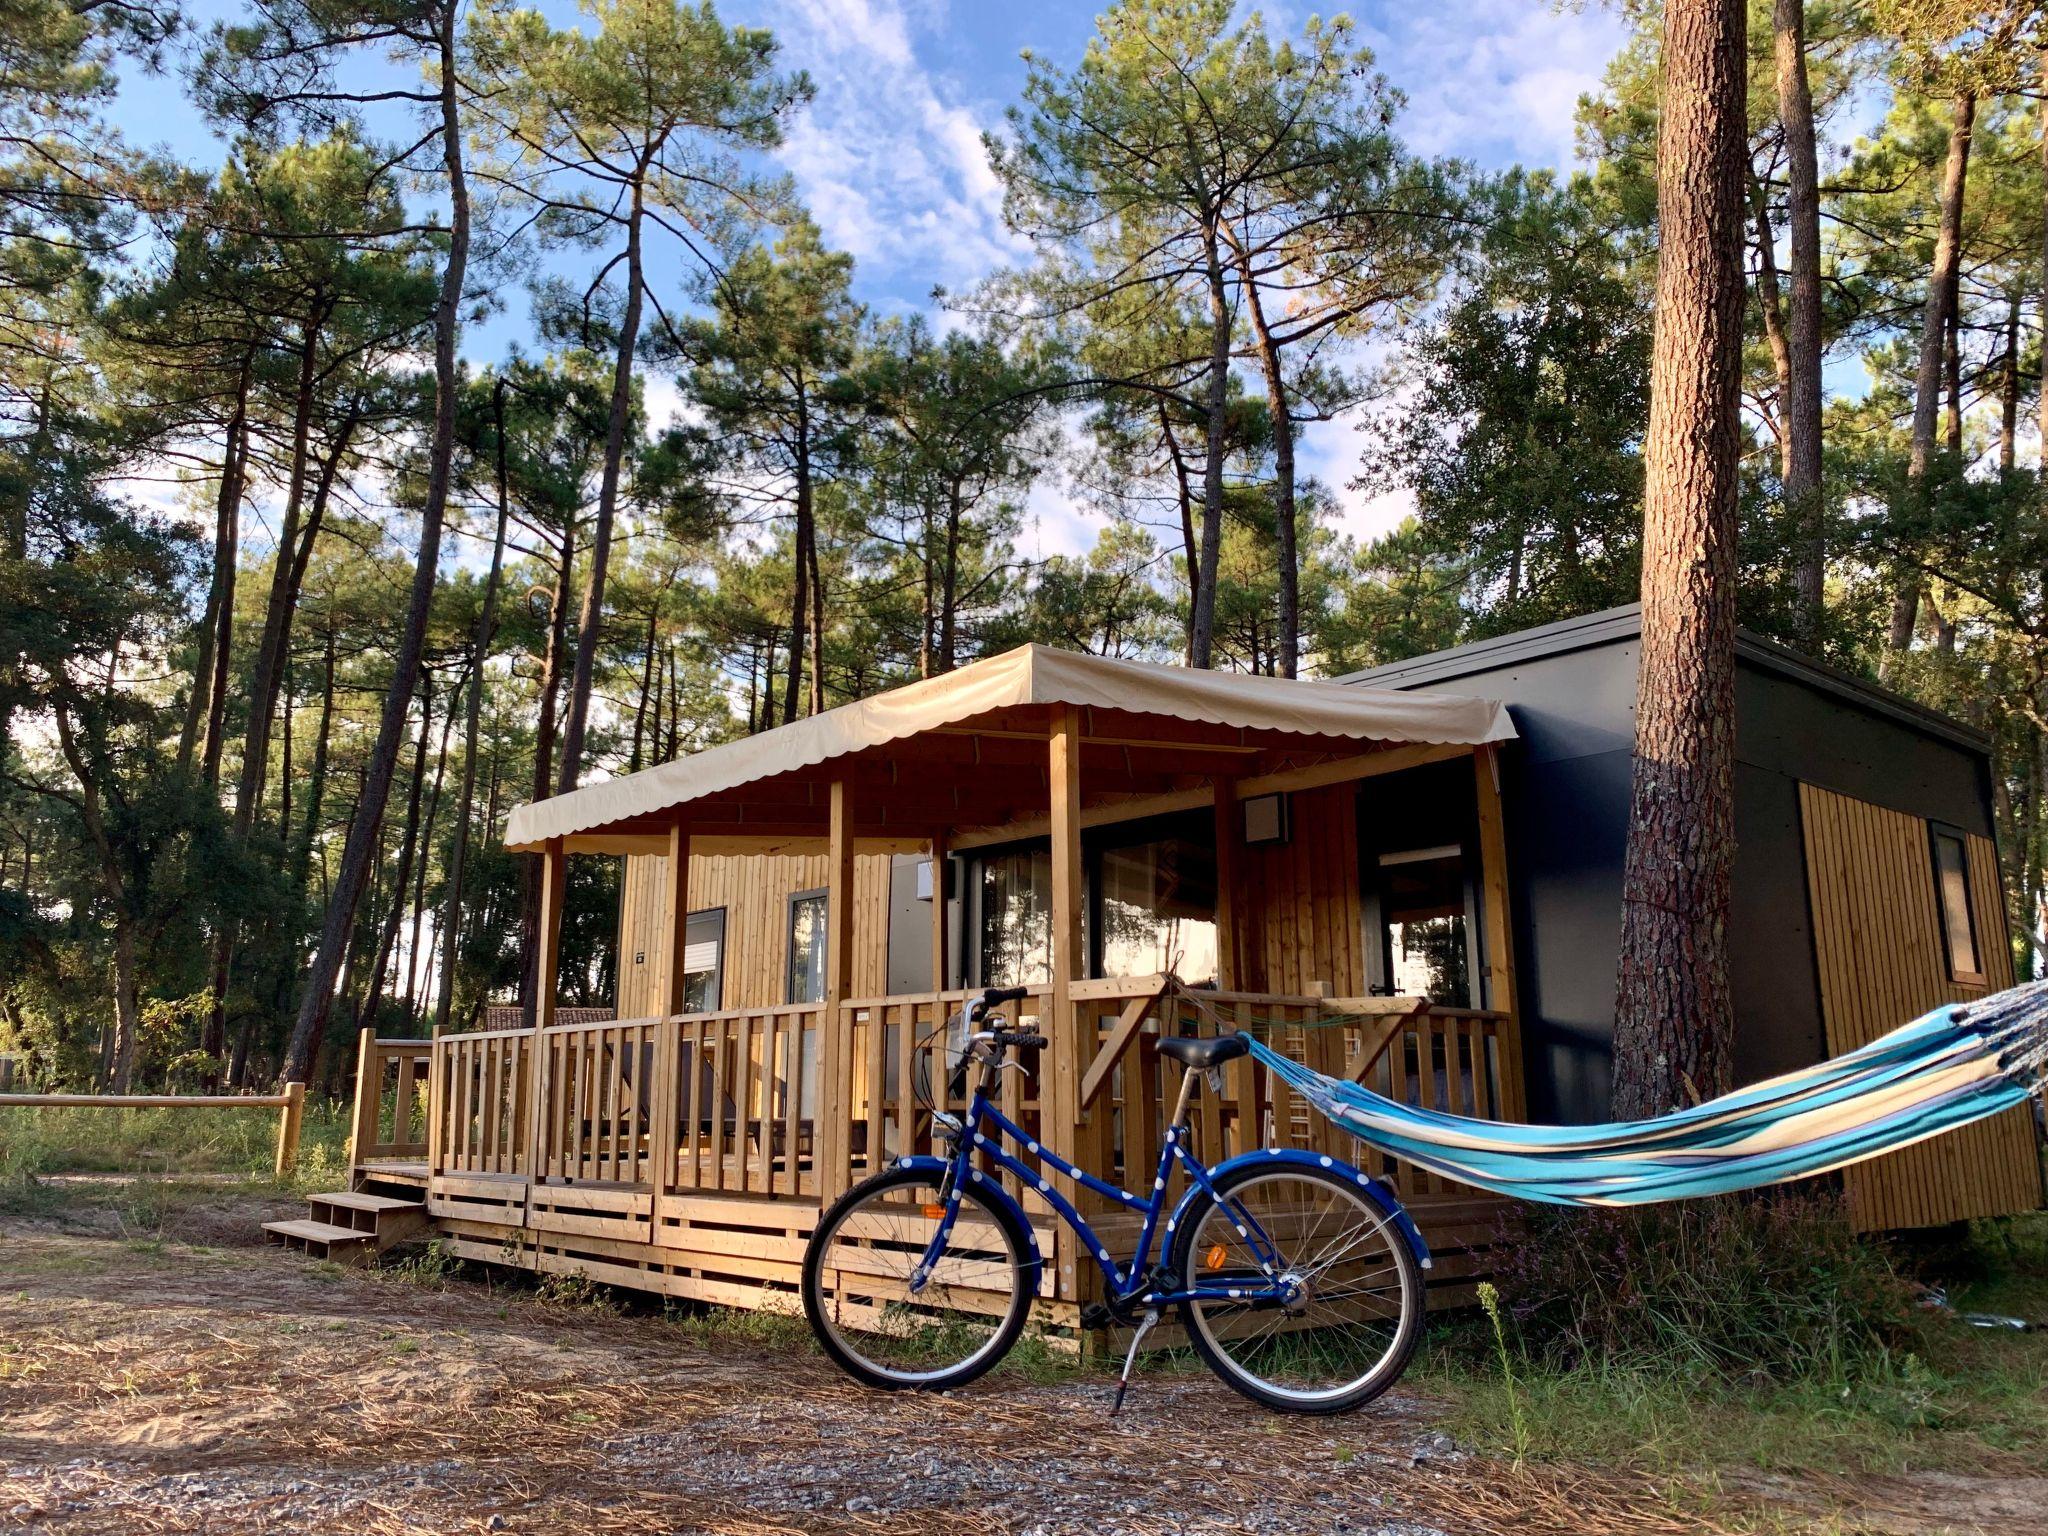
(690,1155)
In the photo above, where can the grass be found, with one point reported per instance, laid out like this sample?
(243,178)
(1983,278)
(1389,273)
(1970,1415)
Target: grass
(177,1141)
(1950,1396)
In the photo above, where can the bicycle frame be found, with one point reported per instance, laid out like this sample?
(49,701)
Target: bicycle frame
(983,1131)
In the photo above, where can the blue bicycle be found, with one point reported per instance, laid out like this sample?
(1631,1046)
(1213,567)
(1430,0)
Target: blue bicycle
(1298,1278)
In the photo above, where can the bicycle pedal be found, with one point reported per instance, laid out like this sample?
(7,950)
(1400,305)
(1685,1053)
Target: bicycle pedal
(1095,1315)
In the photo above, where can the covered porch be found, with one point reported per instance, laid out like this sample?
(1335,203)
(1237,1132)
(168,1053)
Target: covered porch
(687,1150)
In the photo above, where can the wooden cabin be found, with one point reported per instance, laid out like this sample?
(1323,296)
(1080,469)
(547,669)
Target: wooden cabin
(804,909)
(1412,877)
(1866,882)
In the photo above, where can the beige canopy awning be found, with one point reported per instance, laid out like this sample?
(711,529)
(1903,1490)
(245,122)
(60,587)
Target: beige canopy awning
(1153,718)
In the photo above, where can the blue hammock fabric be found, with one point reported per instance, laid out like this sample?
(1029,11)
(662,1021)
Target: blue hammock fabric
(1945,1069)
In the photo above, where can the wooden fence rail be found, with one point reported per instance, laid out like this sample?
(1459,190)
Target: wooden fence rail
(290,1104)
(391,1073)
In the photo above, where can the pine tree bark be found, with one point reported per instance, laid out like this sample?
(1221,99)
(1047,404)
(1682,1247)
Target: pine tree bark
(408,848)
(544,757)
(1288,643)
(590,618)
(318,999)
(480,650)
(800,598)
(1673,1015)
(1202,628)
(220,589)
(1802,409)
(1941,280)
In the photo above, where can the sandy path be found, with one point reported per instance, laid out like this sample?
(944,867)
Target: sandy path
(162,1387)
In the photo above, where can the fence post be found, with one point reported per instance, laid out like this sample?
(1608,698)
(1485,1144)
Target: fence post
(289,1120)
(369,1095)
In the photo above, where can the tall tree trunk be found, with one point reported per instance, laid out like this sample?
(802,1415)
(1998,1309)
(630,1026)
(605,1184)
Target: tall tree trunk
(1771,304)
(222,648)
(219,591)
(408,848)
(425,857)
(480,651)
(1289,639)
(1802,411)
(817,691)
(1952,369)
(1933,340)
(2009,390)
(800,598)
(949,584)
(1202,636)
(316,780)
(287,568)
(543,759)
(635,759)
(1673,1016)
(318,1000)
(1190,550)
(590,618)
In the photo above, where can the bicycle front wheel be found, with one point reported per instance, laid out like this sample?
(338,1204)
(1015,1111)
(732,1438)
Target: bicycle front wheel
(881,1326)
(1355,1304)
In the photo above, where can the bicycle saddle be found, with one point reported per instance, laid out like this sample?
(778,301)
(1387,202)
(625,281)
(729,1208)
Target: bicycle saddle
(1197,1054)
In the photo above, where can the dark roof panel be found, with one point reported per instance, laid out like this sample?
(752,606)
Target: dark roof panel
(1615,625)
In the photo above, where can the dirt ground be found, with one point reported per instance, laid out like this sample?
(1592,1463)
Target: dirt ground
(193,1382)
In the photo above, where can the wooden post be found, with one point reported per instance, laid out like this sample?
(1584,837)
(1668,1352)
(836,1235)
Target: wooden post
(941,972)
(362,1133)
(1229,835)
(664,1101)
(1498,917)
(437,1103)
(1072,1046)
(289,1120)
(835,1028)
(547,976)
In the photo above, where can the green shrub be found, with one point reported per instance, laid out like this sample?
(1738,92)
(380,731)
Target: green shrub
(1731,1288)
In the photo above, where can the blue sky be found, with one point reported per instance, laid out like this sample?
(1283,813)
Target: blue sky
(889,156)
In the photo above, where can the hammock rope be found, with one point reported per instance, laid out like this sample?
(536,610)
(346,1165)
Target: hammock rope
(1957,1064)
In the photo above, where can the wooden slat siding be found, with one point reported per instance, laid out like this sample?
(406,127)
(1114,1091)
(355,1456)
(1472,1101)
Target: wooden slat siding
(753,891)
(1880,959)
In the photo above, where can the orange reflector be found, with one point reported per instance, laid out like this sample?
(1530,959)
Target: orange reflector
(1214,1258)
(935,1212)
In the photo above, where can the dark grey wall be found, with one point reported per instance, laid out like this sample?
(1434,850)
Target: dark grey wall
(1571,691)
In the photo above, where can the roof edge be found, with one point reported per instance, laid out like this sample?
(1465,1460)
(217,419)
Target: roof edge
(1610,625)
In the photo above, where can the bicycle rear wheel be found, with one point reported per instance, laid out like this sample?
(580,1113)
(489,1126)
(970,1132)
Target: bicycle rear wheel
(1349,1332)
(876,1323)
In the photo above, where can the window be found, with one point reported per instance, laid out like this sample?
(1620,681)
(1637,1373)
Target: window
(1426,922)
(704,961)
(1148,902)
(1016,918)
(807,947)
(1155,908)
(1952,894)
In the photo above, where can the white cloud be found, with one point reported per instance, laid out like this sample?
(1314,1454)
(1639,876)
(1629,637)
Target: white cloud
(1494,81)
(889,156)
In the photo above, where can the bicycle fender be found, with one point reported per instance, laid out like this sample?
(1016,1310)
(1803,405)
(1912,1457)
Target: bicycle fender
(1376,1190)
(993,1187)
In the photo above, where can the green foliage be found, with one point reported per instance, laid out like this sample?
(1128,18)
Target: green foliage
(1712,1289)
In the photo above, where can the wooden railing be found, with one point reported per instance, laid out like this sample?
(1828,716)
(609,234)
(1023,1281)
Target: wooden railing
(743,1101)
(391,1115)
(481,1100)
(1465,1061)
(289,1102)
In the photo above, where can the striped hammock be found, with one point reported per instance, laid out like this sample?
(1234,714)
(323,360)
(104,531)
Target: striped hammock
(1947,1068)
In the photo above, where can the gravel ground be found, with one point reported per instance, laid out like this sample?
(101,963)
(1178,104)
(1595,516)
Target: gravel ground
(193,1386)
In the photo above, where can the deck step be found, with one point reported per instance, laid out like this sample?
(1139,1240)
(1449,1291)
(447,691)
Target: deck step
(353,1200)
(322,1239)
